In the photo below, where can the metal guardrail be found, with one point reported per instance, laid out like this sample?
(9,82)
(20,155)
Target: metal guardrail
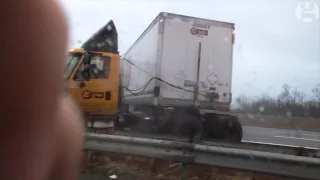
(249,160)
(257,146)
(270,147)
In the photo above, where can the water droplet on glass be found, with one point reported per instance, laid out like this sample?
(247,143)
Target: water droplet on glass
(109,41)
(251,116)
(109,27)
(100,44)
(261,108)
(289,114)
(176,19)
(298,128)
(191,21)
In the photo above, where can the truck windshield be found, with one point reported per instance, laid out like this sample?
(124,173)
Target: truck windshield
(74,59)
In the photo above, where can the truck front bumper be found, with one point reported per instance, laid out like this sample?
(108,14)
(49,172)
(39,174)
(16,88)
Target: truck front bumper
(99,123)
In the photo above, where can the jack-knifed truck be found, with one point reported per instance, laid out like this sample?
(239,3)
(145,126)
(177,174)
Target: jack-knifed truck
(175,78)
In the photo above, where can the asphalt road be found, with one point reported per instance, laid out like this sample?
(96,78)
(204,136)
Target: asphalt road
(258,135)
(281,137)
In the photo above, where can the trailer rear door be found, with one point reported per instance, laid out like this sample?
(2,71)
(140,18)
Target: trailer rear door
(196,50)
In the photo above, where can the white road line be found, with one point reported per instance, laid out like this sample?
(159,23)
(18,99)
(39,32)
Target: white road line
(275,144)
(257,142)
(298,138)
(281,132)
(312,135)
(296,133)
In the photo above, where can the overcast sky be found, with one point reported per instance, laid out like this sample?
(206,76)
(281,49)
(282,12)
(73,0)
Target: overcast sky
(272,46)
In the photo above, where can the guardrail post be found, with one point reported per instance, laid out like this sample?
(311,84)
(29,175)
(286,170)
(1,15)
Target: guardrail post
(154,165)
(185,166)
(89,155)
(184,171)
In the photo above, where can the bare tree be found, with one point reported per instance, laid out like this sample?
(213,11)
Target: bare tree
(243,102)
(316,92)
(284,96)
(289,101)
(297,97)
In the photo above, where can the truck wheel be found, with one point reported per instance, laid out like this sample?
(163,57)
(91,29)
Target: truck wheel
(189,126)
(234,131)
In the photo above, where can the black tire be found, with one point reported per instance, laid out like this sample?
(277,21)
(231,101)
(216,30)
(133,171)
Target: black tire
(234,131)
(188,126)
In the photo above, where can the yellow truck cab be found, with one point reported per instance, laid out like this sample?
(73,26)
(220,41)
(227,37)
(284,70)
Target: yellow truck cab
(92,77)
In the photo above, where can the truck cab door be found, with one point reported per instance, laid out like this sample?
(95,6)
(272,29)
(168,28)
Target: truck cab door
(93,86)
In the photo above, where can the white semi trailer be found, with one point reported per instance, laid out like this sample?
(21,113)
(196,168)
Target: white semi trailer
(177,77)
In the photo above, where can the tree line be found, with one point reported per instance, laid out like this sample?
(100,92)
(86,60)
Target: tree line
(290,102)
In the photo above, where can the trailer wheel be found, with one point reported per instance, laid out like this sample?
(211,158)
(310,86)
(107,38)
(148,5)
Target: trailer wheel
(189,126)
(234,131)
